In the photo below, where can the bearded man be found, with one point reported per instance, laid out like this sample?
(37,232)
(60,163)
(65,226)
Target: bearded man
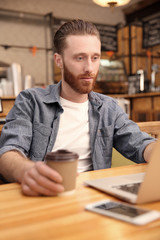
(68,115)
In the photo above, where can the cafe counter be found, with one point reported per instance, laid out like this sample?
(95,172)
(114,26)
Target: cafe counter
(143,106)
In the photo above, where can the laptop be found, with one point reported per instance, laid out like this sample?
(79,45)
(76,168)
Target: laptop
(134,188)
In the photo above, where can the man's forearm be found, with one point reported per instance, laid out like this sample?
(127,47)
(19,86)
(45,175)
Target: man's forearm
(36,178)
(13,165)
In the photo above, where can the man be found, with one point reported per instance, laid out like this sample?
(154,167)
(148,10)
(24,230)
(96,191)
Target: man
(67,115)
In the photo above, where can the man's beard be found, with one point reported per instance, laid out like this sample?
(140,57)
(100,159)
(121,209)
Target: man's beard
(77,83)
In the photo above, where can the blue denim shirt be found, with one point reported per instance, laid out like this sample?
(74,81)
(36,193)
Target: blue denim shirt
(32,125)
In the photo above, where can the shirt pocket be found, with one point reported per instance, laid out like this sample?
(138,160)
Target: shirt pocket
(105,140)
(40,140)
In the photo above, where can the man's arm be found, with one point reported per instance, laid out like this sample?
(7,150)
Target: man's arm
(35,178)
(148,150)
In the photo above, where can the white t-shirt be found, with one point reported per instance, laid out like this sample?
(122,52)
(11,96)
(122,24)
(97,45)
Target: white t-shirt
(73,132)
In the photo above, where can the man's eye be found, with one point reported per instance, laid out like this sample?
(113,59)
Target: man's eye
(95,58)
(79,58)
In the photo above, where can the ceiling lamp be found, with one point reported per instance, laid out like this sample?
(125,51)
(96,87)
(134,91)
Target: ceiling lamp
(111,3)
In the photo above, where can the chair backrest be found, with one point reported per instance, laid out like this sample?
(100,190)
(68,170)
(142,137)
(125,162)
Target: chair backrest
(1,126)
(152,128)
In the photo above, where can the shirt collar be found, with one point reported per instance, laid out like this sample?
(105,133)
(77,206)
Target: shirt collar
(53,95)
(95,99)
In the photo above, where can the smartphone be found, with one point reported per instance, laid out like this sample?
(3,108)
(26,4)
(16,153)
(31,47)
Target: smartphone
(123,211)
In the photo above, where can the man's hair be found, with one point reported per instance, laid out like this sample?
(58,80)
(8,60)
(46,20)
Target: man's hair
(74,27)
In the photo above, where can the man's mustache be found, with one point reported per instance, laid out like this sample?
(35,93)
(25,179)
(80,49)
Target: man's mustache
(87,76)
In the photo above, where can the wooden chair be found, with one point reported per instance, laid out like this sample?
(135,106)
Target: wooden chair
(151,127)
(1,126)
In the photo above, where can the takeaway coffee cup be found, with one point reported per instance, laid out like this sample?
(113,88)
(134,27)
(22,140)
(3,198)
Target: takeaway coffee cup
(65,163)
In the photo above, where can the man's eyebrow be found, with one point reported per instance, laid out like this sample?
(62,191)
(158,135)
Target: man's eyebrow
(83,53)
(98,54)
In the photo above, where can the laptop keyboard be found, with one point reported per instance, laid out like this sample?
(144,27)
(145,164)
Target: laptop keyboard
(132,188)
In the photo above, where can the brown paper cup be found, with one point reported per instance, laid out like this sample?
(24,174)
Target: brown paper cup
(65,163)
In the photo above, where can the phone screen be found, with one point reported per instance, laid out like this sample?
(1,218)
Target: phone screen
(121,209)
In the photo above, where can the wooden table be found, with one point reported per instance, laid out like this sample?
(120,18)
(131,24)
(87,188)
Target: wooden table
(36,218)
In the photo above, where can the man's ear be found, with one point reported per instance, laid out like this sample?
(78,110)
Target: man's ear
(58,60)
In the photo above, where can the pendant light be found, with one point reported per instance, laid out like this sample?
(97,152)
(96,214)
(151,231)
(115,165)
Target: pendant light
(111,3)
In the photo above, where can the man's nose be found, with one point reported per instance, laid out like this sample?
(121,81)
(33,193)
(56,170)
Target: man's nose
(88,66)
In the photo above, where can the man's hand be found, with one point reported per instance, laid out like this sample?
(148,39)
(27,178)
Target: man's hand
(40,179)
(148,150)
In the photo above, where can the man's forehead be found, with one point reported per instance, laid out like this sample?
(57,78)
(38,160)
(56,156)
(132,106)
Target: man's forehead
(80,37)
(80,41)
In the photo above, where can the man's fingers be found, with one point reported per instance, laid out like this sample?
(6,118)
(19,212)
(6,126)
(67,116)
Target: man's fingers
(27,191)
(31,187)
(42,180)
(48,172)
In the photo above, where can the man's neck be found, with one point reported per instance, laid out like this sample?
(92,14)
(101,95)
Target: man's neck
(69,94)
